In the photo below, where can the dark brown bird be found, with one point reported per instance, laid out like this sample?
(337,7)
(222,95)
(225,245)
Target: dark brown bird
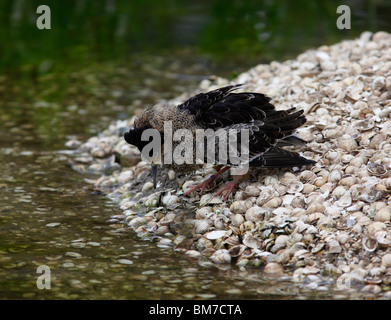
(269,130)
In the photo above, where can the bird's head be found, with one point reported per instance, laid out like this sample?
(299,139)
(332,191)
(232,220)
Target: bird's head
(134,137)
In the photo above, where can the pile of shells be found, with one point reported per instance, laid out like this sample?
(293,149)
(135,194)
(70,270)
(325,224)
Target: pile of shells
(333,218)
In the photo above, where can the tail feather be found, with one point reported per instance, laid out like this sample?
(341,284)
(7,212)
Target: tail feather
(280,158)
(291,141)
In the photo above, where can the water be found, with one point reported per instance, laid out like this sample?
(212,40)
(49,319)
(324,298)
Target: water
(52,91)
(52,216)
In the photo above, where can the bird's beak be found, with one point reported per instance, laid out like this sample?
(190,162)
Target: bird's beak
(154,174)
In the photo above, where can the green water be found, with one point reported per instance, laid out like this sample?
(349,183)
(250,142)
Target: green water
(98,61)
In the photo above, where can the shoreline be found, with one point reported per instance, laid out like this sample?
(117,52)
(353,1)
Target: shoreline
(329,219)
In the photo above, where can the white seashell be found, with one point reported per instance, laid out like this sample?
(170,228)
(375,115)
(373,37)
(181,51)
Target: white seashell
(311,230)
(125,176)
(187,185)
(219,223)
(252,191)
(306,135)
(288,178)
(376,169)
(386,260)
(203,243)
(383,215)
(164,242)
(137,222)
(377,141)
(312,217)
(335,176)
(387,183)
(287,199)
(347,143)
(205,199)
(193,254)
(369,244)
(371,289)
(295,186)
(334,247)
(170,199)
(246,226)
(161,230)
(320,181)
(273,203)
(345,200)
(332,133)
(315,207)
(265,195)
(251,242)
(333,157)
(348,181)
(237,219)
(232,240)
(378,83)
(255,214)
(215,200)
(273,268)
(279,189)
(201,226)
(298,202)
(315,197)
(237,250)
(308,188)
(346,158)
(240,206)
(384,112)
(203,212)
(300,253)
(295,238)
(221,256)
(171,175)
(381,238)
(364,125)
(147,186)
(358,161)
(374,228)
(371,193)
(213,235)
(307,176)
(343,238)
(270,180)
(339,191)
(333,211)
(281,240)
(375,272)
(301,226)
(282,211)
(318,248)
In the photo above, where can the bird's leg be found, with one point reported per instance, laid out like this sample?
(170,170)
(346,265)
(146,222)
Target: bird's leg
(203,185)
(228,187)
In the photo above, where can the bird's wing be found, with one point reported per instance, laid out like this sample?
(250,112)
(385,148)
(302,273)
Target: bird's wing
(221,108)
(273,132)
(269,129)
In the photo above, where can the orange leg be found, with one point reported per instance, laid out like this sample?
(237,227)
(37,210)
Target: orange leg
(228,187)
(205,184)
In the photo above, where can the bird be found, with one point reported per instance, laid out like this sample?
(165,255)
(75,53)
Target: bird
(224,109)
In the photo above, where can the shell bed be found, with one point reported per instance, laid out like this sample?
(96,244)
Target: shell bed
(330,219)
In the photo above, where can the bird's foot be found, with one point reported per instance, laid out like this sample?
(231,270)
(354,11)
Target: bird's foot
(203,185)
(228,187)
